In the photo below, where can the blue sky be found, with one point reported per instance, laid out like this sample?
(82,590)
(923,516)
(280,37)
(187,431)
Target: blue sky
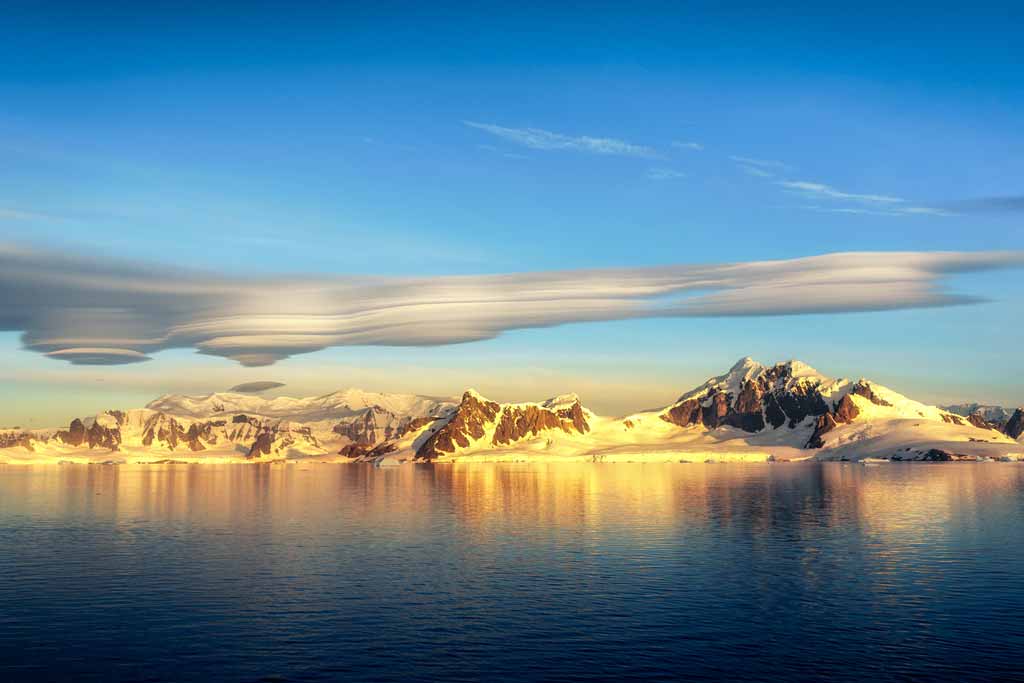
(333,139)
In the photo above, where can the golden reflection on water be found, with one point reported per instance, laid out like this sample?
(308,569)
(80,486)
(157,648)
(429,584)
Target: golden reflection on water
(908,502)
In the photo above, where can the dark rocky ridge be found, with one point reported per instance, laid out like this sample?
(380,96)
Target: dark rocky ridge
(772,397)
(1015,426)
(980,415)
(377,425)
(95,436)
(511,423)
(846,411)
(762,400)
(12,439)
(279,437)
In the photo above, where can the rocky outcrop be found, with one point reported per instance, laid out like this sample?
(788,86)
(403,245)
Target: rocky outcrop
(995,417)
(262,445)
(13,439)
(466,424)
(163,430)
(280,438)
(103,436)
(510,423)
(977,420)
(74,435)
(104,432)
(770,397)
(377,425)
(1015,425)
(369,428)
(361,452)
(517,422)
(576,416)
(845,412)
(862,388)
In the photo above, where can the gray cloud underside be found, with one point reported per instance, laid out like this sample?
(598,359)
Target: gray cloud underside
(1008,203)
(255,387)
(89,311)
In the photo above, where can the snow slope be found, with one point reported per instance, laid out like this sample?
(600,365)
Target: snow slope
(753,412)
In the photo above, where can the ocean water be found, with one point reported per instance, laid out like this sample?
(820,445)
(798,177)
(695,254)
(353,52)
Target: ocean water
(545,572)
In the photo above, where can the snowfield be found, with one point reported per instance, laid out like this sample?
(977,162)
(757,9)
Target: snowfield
(753,413)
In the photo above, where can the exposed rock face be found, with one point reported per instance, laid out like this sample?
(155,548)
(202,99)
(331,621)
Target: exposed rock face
(354,450)
(515,423)
(511,423)
(278,439)
(996,417)
(846,412)
(104,436)
(940,455)
(14,439)
(862,388)
(74,435)
(262,445)
(468,423)
(163,429)
(576,416)
(200,432)
(771,397)
(377,425)
(953,419)
(372,426)
(97,435)
(825,424)
(1015,426)
(978,421)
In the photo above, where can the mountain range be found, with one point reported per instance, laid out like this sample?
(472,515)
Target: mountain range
(753,412)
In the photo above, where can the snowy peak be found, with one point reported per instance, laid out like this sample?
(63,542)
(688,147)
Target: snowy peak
(480,422)
(753,397)
(753,412)
(747,370)
(334,406)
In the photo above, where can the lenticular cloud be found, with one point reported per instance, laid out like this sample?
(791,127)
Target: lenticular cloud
(90,312)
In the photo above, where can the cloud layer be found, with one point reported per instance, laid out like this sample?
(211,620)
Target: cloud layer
(537,138)
(255,387)
(91,311)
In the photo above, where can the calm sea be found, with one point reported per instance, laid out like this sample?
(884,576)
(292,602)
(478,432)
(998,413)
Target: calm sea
(302,572)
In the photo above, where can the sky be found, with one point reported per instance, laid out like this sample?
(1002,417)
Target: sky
(235,150)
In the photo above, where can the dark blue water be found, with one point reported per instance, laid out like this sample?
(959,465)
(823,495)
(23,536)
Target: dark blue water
(496,572)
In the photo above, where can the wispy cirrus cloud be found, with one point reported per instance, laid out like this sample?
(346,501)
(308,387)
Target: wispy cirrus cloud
(759,168)
(665,174)
(760,163)
(92,311)
(540,139)
(864,211)
(887,205)
(692,146)
(756,172)
(828,191)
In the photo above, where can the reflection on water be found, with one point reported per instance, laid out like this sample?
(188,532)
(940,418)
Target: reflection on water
(549,571)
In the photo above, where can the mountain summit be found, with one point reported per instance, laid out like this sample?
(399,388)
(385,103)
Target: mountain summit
(753,412)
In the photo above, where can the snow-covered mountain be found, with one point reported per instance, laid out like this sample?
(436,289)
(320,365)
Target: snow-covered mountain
(228,426)
(783,411)
(753,412)
(982,415)
(335,406)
